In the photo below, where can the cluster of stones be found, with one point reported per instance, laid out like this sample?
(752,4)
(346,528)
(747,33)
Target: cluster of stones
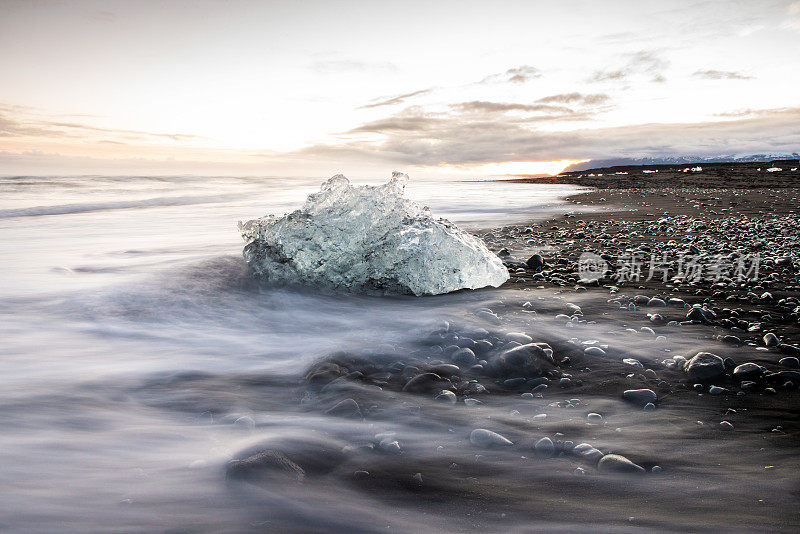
(452,366)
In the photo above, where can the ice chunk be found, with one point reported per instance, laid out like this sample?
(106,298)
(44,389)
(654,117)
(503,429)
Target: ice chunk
(368,238)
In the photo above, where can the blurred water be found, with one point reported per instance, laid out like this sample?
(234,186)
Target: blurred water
(111,283)
(132,342)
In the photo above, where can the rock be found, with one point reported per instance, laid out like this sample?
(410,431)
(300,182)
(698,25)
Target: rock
(614,463)
(748,371)
(790,362)
(586,452)
(716,390)
(726,425)
(545,448)
(680,303)
(649,407)
(524,360)
(771,340)
(390,446)
(445,369)
(656,469)
(640,396)
(657,302)
(345,408)
(535,262)
(594,351)
(464,357)
(789,349)
(701,315)
(519,337)
(731,340)
(634,362)
(748,385)
(594,418)
(515,383)
(704,366)
(423,383)
(446,396)
(782,376)
(480,437)
(292,458)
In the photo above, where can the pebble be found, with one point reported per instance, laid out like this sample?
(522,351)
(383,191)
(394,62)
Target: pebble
(481,437)
(545,448)
(634,362)
(725,425)
(771,340)
(649,407)
(704,366)
(535,262)
(345,408)
(519,337)
(716,390)
(594,351)
(640,396)
(587,452)
(464,357)
(422,383)
(615,463)
(747,371)
(790,362)
(656,469)
(446,396)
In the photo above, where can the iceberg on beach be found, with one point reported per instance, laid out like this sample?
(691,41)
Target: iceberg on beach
(368,238)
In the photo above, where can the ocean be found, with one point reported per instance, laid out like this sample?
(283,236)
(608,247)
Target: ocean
(138,357)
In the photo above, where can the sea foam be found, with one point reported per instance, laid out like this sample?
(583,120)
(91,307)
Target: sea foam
(368,238)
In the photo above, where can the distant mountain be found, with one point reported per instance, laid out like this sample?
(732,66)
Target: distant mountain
(678,160)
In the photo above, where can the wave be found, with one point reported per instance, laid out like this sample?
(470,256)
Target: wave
(68,209)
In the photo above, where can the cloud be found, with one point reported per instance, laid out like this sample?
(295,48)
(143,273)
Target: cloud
(521,74)
(420,123)
(10,127)
(21,121)
(575,98)
(395,99)
(429,139)
(482,106)
(642,63)
(720,75)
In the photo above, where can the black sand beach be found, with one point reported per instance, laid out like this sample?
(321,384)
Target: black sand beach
(621,404)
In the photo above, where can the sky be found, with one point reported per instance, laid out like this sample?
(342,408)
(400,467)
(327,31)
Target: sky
(433,88)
